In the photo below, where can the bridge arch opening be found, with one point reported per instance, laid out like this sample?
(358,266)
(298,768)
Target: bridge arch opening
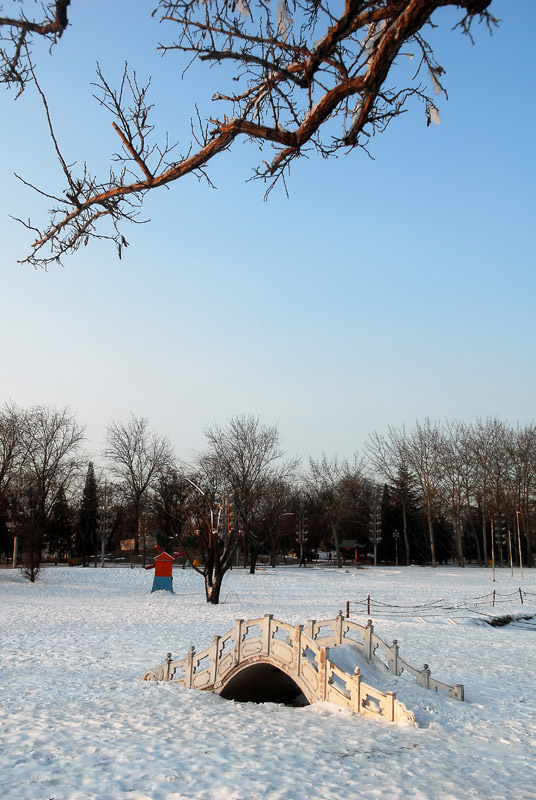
(263,683)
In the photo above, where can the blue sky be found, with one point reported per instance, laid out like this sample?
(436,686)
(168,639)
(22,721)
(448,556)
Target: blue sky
(382,291)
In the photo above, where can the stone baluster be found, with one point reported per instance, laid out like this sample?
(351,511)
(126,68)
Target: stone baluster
(354,687)
(297,648)
(393,658)
(167,668)
(389,705)
(369,630)
(267,634)
(424,677)
(321,660)
(338,628)
(215,658)
(190,667)
(238,640)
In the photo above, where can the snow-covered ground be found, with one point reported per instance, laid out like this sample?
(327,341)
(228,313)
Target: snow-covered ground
(77,723)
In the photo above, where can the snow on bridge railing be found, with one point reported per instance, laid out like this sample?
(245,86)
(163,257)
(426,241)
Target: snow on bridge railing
(271,641)
(303,653)
(344,631)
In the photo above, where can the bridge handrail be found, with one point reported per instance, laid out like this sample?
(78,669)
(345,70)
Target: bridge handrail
(300,645)
(330,682)
(339,627)
(367,645)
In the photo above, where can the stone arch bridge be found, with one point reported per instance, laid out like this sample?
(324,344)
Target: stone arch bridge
(267,660)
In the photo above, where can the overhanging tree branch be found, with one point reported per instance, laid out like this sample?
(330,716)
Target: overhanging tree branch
(317,79)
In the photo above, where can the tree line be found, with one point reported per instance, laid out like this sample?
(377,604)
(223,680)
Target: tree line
(440,491)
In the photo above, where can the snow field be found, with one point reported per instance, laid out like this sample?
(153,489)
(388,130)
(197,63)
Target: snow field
(77,722)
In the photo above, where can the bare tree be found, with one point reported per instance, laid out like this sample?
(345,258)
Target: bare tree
(11,425)
(524,459)
(50,462)
(248,457)
(304,75)
(277,521)
(389,460)
(334,484)
(214,526)
(136,457)
(482,441)
(457,476)
(11,448)
(423,449)
(169,499)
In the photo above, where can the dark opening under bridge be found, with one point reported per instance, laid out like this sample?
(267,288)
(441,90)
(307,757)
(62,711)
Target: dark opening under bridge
(267,660)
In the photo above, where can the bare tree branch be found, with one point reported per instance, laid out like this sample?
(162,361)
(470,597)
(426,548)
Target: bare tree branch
(14,66)
(318,79)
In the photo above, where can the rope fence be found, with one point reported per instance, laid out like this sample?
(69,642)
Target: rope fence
(441,607)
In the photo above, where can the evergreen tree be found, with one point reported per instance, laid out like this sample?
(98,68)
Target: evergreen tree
(88,517)
(59,531)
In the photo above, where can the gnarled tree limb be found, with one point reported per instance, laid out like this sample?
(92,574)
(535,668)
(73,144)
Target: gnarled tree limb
(303,69)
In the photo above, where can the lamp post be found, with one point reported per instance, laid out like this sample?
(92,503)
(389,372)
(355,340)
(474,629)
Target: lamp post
(396,536)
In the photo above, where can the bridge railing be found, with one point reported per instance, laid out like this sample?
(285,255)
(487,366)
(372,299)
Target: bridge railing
(303,653)
(329,633)
(288,646)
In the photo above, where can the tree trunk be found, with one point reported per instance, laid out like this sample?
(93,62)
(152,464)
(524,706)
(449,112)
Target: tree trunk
(473,527)
(484,531)
(459,543)
(213,588)
(338,555)
(254,554)
(431,537)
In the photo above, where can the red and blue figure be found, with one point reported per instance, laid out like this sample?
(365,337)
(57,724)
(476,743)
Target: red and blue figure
(163,577)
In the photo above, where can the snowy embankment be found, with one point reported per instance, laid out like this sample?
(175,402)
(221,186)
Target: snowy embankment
(77,723)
